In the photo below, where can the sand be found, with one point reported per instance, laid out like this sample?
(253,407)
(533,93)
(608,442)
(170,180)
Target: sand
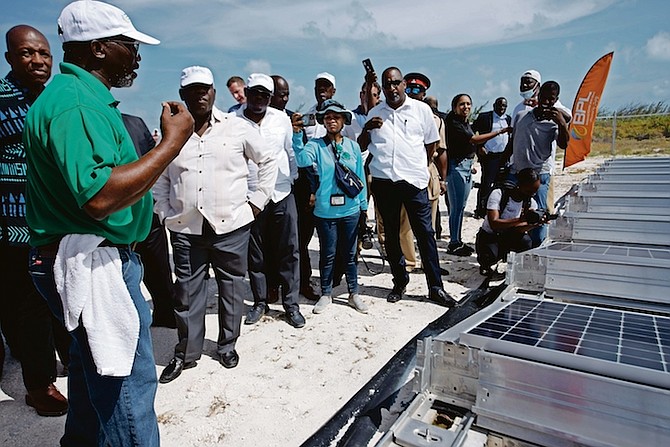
(289,381)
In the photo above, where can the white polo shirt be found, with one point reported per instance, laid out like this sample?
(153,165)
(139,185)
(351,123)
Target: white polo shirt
(276,129)
(398,147)
(208,179)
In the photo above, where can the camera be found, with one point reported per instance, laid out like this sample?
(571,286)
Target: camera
(366,237)
(365,233)
(546,112)
(539,216)
(309,120)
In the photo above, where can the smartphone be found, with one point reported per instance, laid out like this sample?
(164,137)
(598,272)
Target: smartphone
(309,120)
(367,64)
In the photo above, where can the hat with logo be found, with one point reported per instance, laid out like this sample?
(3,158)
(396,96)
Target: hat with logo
(86,20)
(533,74)
(196,75)
(419,79)
(261,82)
(327,76)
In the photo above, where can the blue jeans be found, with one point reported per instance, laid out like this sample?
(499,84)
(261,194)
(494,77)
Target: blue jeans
(338,235)
(117,411)
(539,234)
(459,183)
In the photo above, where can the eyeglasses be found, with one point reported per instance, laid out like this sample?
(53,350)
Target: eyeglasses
(414,90)
(134,46)
(389,84)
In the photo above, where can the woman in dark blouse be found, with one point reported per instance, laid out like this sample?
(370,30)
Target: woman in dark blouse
(462,145)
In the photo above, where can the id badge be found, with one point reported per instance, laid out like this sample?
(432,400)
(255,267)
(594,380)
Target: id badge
(337,200)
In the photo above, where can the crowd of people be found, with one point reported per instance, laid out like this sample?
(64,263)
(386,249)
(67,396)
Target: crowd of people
(239,193)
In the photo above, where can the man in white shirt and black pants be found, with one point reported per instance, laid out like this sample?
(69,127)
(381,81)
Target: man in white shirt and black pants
(202,198)
(401,136)
(490,153)
(273,245)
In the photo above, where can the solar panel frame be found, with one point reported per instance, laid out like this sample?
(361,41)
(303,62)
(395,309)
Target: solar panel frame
(614,343)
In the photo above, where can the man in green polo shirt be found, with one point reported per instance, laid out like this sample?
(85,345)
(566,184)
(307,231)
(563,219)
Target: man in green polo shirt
(84,178)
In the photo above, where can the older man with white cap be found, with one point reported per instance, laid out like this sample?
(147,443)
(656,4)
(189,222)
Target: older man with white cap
(204,201)
(273,246)
(89,201)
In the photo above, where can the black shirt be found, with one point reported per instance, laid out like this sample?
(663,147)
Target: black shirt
(459,134)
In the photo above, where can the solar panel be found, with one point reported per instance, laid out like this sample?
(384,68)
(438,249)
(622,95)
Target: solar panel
(610,250)
(628,345)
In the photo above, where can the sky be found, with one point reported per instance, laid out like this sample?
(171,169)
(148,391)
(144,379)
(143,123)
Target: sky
(479,47)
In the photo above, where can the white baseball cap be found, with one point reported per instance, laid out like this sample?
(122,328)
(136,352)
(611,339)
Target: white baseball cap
(327,76)
(261,81)
(86,20)
(533,74)
(196,75)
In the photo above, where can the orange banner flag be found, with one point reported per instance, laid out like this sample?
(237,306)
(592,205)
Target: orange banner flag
(585,111)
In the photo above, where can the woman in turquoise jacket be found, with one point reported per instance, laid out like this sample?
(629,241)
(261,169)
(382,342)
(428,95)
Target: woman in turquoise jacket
(336,214)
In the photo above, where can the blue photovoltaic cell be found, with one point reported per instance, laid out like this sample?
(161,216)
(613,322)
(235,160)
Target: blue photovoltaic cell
(617,336)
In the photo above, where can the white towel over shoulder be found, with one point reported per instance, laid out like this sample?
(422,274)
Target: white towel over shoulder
(90,282)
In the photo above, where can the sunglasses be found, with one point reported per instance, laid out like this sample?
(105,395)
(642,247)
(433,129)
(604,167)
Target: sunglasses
(414,90)
(390,84)
(134,46)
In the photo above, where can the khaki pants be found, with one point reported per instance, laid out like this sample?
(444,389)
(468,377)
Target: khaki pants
(406,238)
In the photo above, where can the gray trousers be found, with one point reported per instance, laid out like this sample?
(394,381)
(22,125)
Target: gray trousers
(274,253)
(193,255)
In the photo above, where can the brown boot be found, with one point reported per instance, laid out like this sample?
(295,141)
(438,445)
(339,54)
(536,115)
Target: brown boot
(47,401)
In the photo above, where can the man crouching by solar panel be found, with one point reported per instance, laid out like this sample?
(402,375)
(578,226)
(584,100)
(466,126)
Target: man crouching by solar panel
(511,212)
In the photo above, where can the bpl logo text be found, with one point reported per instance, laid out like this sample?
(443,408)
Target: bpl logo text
(580,116)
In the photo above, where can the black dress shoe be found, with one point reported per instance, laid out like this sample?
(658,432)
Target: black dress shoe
(255,313)
(441,297)
(308,293)
(295,319)
(174,369)
(395,295)
(229,359)
(444,272)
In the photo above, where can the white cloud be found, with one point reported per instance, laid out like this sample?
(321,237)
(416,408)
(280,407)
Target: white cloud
(662,89)
(258,66)
(493,89)
(658,47)
(235,24)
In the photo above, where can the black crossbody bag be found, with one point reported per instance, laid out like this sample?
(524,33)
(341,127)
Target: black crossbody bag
(346,179)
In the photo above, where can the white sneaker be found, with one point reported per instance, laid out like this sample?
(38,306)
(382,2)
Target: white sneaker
(357,303)
(321,305)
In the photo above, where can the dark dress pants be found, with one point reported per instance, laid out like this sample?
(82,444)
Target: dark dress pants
(193,255)
(273,252)
(490,164)
(31,330)
(494,247)
(302,191)
(157,271)
(390,196)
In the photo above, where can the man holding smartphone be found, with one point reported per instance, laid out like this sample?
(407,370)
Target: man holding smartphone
(535,132)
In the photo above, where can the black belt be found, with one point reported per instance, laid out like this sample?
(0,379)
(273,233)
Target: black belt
(50,250)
